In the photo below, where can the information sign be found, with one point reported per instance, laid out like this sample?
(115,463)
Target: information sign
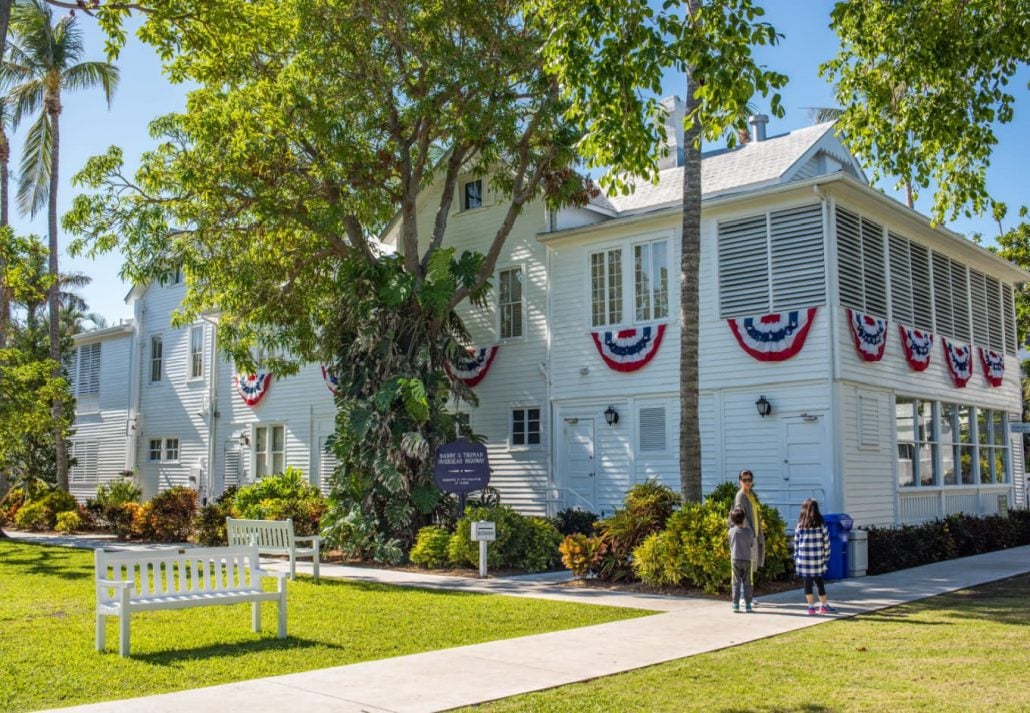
(461,467)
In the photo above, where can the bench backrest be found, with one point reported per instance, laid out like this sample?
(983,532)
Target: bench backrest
(178,571)
(266,534)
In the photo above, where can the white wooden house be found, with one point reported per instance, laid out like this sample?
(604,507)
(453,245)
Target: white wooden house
(790,227)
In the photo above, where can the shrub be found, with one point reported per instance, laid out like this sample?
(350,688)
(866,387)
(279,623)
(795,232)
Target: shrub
(778,560)
(68,521)
(430,548)
(32,516)
(580,554)
(570,521)
(112,506)
(282,496)
(356,535)
(10,504)
(693,548)
(539,546)
(522,542)
(209,524)
(647,509)
(659,560)
(168,517)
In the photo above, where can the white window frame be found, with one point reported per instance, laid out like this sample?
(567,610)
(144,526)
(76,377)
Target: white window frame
(526,420)
(652,318)
(156,360)
(627,296)
(465,207)
(607,261)
(196,353)
(164,449)
(268,454)
(523,311)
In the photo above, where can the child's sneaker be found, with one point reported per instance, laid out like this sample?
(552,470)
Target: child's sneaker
(736,608)
(825,609)
(811,611)
(749,609)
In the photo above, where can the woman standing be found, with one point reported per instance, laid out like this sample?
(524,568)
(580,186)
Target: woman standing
(747,501)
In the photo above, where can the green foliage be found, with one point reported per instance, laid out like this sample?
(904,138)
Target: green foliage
(168,517)
(209,525)
(282,496)
(724,494)
(32,516)
(357,536)
(646,509)
(430,548)
(523,542)
(571,521)
(778,561)
(68,521)
(922,84)
(581,554)
(10,504)
(115,506)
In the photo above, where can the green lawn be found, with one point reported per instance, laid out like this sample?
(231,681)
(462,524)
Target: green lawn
(47,614)
(966,651)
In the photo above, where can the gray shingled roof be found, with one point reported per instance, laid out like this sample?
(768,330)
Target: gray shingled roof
(750,165)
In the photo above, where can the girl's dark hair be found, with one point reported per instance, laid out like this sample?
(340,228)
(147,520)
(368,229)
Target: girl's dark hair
(810,516)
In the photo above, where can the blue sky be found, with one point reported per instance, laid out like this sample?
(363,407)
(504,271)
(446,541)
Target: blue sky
(88,128)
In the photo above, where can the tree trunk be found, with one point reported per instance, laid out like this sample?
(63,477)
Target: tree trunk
(690,256)
(5,302)
(53,296)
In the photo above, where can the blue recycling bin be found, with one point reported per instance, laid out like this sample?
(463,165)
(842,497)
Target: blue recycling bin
(839,526)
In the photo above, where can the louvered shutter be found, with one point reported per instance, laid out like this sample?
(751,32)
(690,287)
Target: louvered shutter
(232,468)
(743,267)
(901,279)
(327,463)
(651,427)
(960,300)
(873,268)
(978,307)
(798,272)
(1009,318)
(849,258)
(86,455)
(922,302)
(942,296)
(996,338)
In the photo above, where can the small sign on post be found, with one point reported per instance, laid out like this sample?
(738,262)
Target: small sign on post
(483,532)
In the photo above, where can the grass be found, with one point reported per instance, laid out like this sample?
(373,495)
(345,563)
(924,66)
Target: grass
(965,651)
(47,614)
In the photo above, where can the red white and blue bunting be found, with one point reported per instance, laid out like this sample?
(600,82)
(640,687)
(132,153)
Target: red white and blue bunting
(869,333)
(629,349)
(473,369)
(253,387)
(960,362)
(994,366)
(331,382)
(773,337)
(918,346)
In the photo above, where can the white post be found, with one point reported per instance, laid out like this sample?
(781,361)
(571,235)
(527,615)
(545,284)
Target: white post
(482,558)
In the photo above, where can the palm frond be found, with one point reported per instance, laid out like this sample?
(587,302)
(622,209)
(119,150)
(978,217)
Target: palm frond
(34,182)
(92,74)
(26,99)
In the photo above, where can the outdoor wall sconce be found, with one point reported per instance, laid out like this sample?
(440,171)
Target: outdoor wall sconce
(244,439)
(611,416)
(763,406)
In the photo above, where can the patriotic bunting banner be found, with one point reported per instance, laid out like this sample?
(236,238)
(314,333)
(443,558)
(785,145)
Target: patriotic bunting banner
(331,382)
(629,349)
(253,387)
(960,363)
(869,333)
(918,346)
(472,369)
(773,337)
(994,366)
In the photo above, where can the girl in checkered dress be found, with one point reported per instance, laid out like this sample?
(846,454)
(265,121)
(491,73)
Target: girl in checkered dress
(812,553)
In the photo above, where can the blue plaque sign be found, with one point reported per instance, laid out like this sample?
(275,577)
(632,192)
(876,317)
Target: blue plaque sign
(461,467)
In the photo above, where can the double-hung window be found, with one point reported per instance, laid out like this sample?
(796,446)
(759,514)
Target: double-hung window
(472,194)
(606,287)
(197,352)
(156,356)
(632,282)
(509,299)
(525,427)
(269,449)
(651,280)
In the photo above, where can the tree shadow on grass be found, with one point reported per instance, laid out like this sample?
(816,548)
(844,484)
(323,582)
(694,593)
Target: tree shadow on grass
(806,708)
(48,561)
(175,656)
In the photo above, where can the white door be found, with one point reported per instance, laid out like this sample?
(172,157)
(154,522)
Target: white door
(807,454)
(578,463)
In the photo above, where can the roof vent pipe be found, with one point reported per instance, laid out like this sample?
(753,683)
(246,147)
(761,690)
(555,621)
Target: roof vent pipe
(758,122)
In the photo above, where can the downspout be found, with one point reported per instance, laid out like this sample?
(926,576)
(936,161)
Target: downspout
(207,477)
(833,421)
(551,475)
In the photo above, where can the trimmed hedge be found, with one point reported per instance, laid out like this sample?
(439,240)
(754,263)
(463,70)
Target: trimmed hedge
(960,535)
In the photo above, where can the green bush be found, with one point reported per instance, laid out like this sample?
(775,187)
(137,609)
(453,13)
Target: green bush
(69,521)
(168,517)
(430,548)
(778,560)
(113,506)
(581,554)
(209,524)
(10,504)
(282,496)
(647,508)
(522,542)
(570,521)
(32,516)
(692,549)
(358,536)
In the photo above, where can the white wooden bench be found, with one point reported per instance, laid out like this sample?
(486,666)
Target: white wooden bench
(135,581)
(274,537)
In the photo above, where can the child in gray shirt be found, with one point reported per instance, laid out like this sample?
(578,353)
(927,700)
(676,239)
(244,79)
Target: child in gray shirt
(742,540)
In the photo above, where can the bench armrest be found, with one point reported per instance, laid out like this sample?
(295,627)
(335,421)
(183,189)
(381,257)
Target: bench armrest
(266,573)
(308,538)
(114,584)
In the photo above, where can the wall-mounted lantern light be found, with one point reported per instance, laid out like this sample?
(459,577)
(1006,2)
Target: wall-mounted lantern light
(763,406)
(611,416)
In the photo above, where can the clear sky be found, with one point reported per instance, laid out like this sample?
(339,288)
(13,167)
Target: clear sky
(88,128)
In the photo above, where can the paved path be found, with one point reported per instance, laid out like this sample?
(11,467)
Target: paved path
(439,680)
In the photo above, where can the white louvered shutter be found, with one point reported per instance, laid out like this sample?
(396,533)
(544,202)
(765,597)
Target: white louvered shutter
(849,257)
(942,296)
(743,267)
(978,307)
(874,269)
(651,428)
(232,468)
(798,271)
(901,279)
(327,463)
(996,338)
(1009,318)
(922,295)
(960,300)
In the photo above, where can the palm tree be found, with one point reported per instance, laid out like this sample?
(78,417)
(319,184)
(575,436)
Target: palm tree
(44,60)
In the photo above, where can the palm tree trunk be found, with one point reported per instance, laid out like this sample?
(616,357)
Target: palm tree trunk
(5,301)
(57,407)
(690,257)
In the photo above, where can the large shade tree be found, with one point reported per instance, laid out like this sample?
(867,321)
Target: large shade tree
(43,62)
(316,127)
(610,59)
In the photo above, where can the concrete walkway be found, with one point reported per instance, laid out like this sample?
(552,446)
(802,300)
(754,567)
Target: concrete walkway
(449,678)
